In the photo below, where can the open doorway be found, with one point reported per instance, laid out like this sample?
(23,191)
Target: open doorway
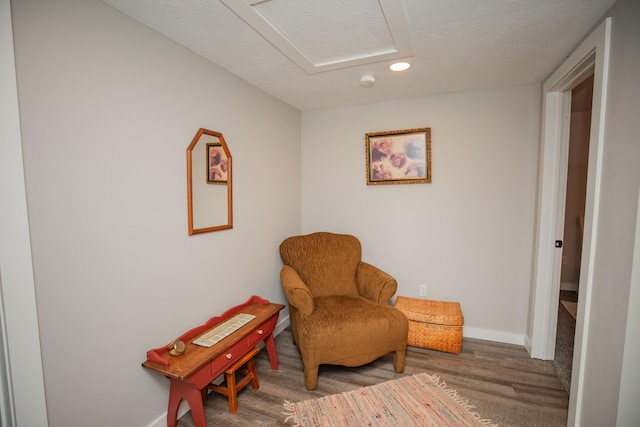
(591,57)
(575,199)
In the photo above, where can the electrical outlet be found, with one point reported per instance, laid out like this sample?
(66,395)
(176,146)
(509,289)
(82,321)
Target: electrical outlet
(423,290)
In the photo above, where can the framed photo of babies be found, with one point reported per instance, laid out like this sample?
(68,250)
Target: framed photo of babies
(399,157)
(217,164)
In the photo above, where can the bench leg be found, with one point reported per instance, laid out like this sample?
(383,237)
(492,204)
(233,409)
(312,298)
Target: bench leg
(183,390)
(270,345)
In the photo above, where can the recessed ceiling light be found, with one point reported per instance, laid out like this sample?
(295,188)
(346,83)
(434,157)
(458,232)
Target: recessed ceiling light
(399,66)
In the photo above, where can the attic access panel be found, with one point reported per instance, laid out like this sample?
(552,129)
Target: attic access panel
(331,34)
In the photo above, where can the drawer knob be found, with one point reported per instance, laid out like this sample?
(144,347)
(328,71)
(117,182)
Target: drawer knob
(229,356)
(260,332)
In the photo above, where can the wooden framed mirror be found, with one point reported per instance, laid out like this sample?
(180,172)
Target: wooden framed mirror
(209,194)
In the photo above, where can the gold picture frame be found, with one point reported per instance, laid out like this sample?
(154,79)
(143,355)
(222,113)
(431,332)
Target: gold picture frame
(399,156)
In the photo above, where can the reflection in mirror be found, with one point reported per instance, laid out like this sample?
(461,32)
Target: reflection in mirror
(209,183)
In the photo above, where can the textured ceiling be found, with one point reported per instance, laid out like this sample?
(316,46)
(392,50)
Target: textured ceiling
(453,45)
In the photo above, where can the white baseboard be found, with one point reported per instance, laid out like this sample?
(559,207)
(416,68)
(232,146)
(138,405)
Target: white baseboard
(161,421)
(282,324)
(491,335)
(568,286)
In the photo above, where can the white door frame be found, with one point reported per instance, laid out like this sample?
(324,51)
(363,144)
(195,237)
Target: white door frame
(22,394)
(591,56)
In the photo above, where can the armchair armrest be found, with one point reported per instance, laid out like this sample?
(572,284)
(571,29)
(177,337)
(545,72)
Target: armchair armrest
(297,293)
(374,284)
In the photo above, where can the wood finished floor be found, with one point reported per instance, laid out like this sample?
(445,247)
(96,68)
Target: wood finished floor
(500,380)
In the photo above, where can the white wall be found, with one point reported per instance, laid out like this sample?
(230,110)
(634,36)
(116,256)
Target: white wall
(468,234)
(108,108)
(613,266)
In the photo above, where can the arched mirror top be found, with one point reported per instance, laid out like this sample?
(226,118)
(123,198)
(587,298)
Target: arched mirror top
(209,183)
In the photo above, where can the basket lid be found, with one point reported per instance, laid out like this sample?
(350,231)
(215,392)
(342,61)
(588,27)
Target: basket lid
(431,311)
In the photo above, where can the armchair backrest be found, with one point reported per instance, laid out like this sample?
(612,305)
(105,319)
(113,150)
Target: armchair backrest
(327,263)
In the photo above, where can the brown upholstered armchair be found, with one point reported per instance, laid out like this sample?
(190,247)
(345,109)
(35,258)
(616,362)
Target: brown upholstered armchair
(339,305)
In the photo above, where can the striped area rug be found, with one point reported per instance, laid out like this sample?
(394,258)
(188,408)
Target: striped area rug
(419,400)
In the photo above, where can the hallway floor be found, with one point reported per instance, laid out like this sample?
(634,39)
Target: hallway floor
(563,360)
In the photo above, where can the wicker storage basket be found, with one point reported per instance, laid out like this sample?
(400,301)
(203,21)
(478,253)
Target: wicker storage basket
(435,325)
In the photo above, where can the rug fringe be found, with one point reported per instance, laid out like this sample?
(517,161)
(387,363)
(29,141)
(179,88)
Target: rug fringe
(291,416)
(453,393)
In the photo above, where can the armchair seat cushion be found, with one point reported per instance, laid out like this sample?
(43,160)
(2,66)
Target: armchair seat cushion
(346,330)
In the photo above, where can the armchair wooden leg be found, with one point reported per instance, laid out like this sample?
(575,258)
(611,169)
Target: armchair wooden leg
(311,377)
(399,360)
